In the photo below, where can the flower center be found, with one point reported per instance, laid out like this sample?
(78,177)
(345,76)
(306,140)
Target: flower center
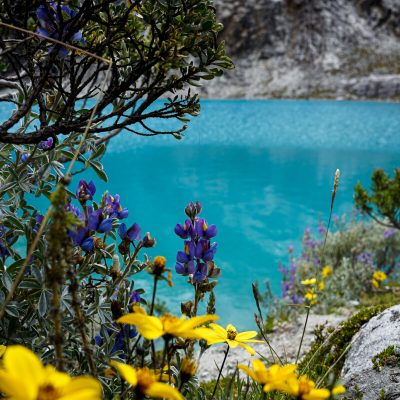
(145,379)
(304,387)
(48,392)
(231,334)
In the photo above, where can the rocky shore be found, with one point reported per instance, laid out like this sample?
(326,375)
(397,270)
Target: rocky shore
(284,340)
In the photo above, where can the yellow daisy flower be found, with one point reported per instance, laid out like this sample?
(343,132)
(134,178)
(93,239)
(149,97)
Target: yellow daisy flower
(217,334)
(304,388)
(321,286)
(375,283)
(326,271)
(311,297)
(151,327)
(274,378)
(338,390)
(23,377)
(379,276)
(145,382)
(309,282)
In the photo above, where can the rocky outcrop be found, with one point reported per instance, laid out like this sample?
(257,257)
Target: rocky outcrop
(310,48)
(359,374)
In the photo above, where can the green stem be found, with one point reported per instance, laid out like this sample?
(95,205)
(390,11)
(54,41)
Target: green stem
(220,372)
(302,336)
(153,300)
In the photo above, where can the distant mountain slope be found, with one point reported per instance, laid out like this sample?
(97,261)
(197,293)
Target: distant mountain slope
(310,48)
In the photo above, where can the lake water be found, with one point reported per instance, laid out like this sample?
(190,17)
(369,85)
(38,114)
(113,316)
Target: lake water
(263,171)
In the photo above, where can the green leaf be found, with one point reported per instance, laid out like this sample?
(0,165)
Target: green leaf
(12,310)
(7,281)
(42,304)
(15,265)
(98,169)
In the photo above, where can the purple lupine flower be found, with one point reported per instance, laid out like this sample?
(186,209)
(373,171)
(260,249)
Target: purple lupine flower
(97,221)
(204,230)
(205,250)
(124,333)
(51,23)
(201,273)
(296,299)
(45,144)
(185,259)
(388,233)
(85,191)
(185,269)
(285,287)
(366,258)
(114,208)
(185,230)
(193,209)
(135,297)
(38,221)
(282,269)
(4,253)
(292,267)
(129,234)
(81,237)
(321,229)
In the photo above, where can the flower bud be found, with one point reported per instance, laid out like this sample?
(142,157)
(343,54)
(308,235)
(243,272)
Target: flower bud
(148,241)
(188,369)
(116,309)
(186,308)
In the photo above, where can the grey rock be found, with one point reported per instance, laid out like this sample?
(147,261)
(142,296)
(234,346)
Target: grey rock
(345,49)
(379,333)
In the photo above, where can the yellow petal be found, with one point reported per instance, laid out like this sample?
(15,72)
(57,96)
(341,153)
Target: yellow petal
(245,335)
(148,326)
(219,329)
(196,321)
(55,378)
(250,340)
(23,364)
(317,394)
(230,327)
(12,387)
(139,310)
(259,366)
(338,390)
(163,390)
(2,350)
(126,371)
(232,343)
(249,372)
(247,347)
(82,388)
(210,335)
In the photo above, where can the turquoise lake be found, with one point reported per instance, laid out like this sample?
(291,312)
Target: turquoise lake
(263,171)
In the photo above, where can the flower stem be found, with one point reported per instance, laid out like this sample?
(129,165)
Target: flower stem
(220,372)
(302,336)
(80,319)
(154,296)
